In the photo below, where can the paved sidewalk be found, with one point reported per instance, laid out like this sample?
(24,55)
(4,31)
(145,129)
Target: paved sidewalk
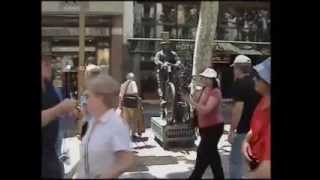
(152,161)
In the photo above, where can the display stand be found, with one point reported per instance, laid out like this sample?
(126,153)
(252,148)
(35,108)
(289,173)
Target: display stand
(182,135)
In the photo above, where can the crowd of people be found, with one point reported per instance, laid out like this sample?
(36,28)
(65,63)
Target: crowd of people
(250,121)
(111,117)
(106,140)
(253,25)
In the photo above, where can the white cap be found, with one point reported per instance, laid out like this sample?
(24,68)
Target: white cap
(209,73)
(241,59)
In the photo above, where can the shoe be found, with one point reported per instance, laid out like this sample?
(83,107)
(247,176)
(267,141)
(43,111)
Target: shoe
(134,137)
(162,102)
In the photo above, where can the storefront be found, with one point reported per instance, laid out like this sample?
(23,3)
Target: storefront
(223,56)
(103,34)
(250,36)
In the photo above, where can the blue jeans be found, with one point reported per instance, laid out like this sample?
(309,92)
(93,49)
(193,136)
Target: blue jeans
(237,162)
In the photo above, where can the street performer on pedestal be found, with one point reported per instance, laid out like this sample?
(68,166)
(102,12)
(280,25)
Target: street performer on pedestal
(162,58)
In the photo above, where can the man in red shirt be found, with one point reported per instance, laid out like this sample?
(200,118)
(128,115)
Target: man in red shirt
(256,147)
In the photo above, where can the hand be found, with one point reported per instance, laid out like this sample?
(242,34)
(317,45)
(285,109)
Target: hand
(66,106)
(77,114)
(165,64)
(178,64)
(231,137)
(246,150)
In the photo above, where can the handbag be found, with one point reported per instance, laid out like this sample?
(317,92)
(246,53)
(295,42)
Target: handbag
(129,101)
(195,122)
(194,119)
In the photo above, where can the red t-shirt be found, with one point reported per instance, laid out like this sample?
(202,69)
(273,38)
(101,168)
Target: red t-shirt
(212,115)
(260,127)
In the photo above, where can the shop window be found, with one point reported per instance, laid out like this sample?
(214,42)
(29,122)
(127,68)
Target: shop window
(103,56)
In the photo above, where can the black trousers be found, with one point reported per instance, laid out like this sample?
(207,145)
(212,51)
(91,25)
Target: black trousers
(207,153)
(52,168)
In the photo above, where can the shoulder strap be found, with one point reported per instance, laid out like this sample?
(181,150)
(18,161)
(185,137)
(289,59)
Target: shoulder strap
(125,90)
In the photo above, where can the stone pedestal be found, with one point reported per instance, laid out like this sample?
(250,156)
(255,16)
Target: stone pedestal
(177,134)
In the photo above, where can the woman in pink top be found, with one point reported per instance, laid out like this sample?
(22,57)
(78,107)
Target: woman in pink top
(210,125)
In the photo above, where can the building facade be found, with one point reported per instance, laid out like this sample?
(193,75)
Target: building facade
(124,35)
(107,27)
(243,28)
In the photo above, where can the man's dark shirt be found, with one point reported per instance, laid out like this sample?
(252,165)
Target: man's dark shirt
(51,165)
(244,91)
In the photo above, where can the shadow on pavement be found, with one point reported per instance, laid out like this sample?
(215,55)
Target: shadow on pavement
(185,175)
(185,160)
(157,160)
(138,175)
(140,139)
(144,147)
(184,150)
(138,166)
(179,175)
(142,162)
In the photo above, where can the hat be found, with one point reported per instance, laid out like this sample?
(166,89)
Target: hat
(264,70)
(209,73)
(165,42)
(241,59)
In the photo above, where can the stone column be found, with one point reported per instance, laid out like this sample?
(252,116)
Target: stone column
(158,13)
(116,48)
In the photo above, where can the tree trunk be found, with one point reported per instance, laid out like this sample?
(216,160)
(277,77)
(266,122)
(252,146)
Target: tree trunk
(204,43)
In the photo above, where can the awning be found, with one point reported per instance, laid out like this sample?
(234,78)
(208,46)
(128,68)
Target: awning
(229,47)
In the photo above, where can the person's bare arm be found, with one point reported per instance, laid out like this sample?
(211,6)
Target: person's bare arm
(236,115)
(124,161)
(246,149)
(48,115)
(157,59)
(235,119)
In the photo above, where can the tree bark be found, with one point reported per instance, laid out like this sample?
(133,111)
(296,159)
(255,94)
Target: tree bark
(204,42)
